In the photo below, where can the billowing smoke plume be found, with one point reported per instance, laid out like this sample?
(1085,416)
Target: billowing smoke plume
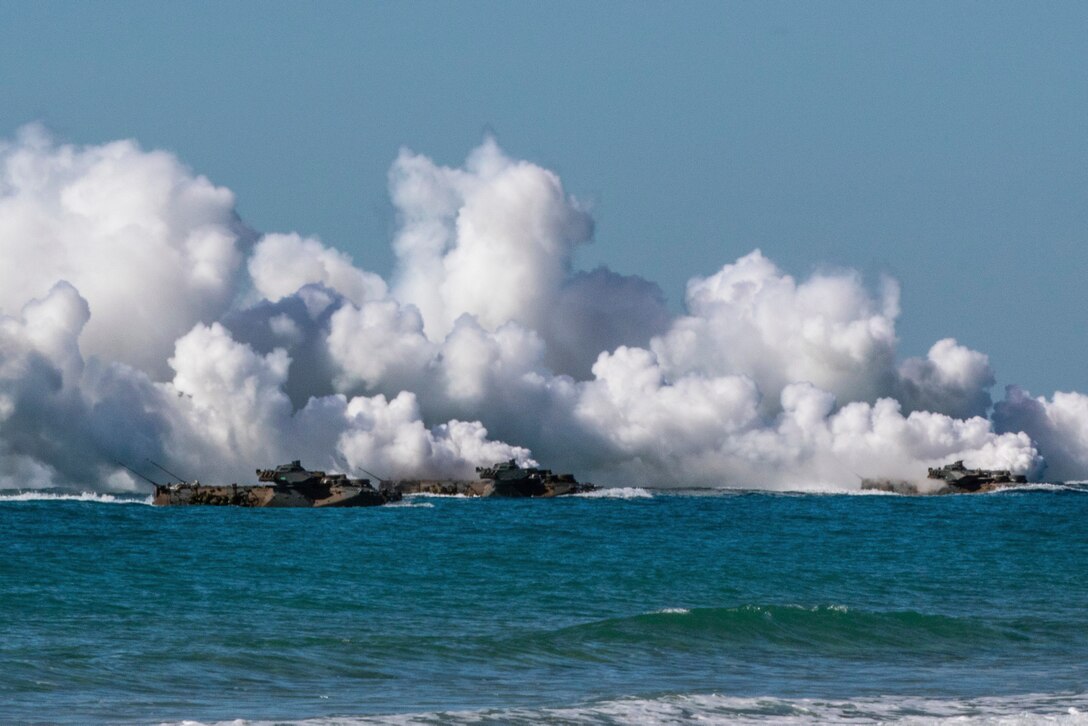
(1060,426)
(139,318)
(151,247)
(64,420)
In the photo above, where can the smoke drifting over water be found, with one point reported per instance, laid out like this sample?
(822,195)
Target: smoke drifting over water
(140,318)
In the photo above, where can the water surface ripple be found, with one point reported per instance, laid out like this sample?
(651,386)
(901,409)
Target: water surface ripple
(643,607)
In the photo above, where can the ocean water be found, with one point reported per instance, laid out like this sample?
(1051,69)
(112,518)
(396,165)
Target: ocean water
(635,606)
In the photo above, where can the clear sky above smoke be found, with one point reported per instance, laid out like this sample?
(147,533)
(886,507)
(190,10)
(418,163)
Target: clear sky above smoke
(942,143)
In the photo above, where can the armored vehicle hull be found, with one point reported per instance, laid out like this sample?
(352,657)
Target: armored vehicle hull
(503,480)
(289,485)
(954,478)
(959,477)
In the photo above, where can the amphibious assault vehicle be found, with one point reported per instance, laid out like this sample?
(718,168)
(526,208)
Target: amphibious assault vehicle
(288,485)
(954,478)
(506,479)
(958,476)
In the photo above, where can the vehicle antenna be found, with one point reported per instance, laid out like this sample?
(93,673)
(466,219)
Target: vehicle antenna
(368,473)
(149,481)
(167,472)
(379,478)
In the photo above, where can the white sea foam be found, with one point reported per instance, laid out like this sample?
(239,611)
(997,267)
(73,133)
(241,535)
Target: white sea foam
(410,505)
(100,498)
(617,493)
(1042,487)
(832,490)
(672,611)
(429,495)
(798,490)
(1058,709)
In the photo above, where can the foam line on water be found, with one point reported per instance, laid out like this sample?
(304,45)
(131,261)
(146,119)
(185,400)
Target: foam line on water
(617,493)
(96,497)
(429,495)
(410,505)
(1058,709)
(820,490)
(1043,487)
(832,490)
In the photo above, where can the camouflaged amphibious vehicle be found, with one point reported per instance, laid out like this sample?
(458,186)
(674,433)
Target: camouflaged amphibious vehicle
(954,478)
(959,477)
(288,485)
(506,479)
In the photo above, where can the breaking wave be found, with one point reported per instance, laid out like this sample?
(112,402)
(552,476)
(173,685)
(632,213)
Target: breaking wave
(617,493)
(1058,709)
(1078,487)
(97,497)
(429,495)
(838,491)
(407,504)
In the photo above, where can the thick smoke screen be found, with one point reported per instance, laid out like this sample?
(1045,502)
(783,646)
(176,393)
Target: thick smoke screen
(140,318)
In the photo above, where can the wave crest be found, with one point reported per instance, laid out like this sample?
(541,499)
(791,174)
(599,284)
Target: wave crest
(821,630)
(96,497)
(712,708)
(617,493)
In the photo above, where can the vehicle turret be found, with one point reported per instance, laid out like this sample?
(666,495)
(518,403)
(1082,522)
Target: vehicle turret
(960,477)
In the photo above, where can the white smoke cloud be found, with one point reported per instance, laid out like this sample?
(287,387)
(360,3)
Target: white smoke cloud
(632,422)
(38,353)
(495,240)
(151,247)
(231,401)
(709,431)
(951,379)
(389,435)
(750,318)
(488,345)
(1058,424)
(379,343)
(67,421)
(596,311)
(282,263)
(63,419)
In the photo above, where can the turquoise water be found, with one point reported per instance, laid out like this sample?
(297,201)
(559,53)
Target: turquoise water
(662,607)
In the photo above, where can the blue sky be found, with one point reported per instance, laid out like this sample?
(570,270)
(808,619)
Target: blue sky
(945,144)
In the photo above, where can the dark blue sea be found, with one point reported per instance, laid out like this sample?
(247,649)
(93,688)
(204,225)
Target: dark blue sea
(637,607)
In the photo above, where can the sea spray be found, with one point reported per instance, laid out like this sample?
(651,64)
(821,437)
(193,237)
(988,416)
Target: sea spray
(97,497)
(721,710)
